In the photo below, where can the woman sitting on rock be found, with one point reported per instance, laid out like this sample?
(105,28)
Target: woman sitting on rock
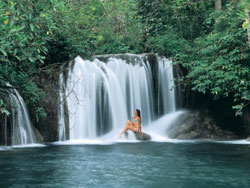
(135,125)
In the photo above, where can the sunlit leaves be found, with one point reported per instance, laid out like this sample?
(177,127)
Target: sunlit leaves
(22,35)
(3,109)
(211,45)
(225,55)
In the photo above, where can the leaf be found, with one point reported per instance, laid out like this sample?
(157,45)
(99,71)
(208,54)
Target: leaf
(13,30)
(238,113)
(32,27)
(31,59)
(3,52)
(18,58)
(4,111)
(238,107)
(99,38)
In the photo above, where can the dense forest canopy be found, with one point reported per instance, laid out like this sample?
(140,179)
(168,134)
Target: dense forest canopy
(210,39)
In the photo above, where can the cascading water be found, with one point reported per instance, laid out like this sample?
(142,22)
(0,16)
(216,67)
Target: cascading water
(101,96)
(166,96)
(61,119)
(21,128)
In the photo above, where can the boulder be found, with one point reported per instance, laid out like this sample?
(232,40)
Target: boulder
(142,136)
(198,125)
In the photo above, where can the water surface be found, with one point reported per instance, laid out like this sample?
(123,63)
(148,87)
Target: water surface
(127,165)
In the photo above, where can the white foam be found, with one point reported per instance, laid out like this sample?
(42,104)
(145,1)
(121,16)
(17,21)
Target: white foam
(3,148)
(158,131)
(29,146)
(84,142)
(239,142)
(159,128)
(108,139)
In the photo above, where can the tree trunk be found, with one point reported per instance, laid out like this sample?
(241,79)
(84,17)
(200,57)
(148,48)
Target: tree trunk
(248,27)
(218,4)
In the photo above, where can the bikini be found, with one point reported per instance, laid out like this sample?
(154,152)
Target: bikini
(136,121)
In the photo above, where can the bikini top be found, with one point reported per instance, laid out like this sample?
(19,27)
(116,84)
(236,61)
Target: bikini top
(136,120)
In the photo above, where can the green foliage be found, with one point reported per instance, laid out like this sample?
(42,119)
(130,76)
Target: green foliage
(168,44)
(34,34)
(25,28)
(221,59)
(185,16)
(3,109)
(212,45)
(98,27)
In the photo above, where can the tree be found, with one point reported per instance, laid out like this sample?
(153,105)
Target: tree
(218,4)
(247,20)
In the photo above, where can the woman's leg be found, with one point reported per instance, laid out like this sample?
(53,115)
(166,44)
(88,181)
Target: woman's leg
(128,126)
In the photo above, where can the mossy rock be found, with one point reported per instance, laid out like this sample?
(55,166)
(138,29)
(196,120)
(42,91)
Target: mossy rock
(142,136)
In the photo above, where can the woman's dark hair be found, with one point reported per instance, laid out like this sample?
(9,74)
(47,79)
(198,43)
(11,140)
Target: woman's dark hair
(138,112)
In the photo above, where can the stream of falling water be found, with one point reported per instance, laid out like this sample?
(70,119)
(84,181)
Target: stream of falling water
(22,132)
(101,96)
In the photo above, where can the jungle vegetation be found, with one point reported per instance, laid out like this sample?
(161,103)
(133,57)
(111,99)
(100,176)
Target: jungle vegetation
(209,38)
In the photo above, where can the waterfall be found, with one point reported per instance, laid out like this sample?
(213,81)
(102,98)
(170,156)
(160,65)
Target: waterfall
(102,94)
(166,96)
(61,119)
(21,128)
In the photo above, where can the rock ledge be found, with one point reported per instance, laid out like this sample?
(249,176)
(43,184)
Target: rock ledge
(197,125)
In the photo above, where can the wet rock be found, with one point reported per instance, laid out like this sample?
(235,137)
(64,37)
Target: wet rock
(142,136)
(197,125)
(191,135)
(248,138)
(38,135)
(246,120)
(47,126)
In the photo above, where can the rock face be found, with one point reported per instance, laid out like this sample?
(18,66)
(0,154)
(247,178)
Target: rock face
(142,136)
(47,126)
(246,121)
(197,125)
(38,135)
